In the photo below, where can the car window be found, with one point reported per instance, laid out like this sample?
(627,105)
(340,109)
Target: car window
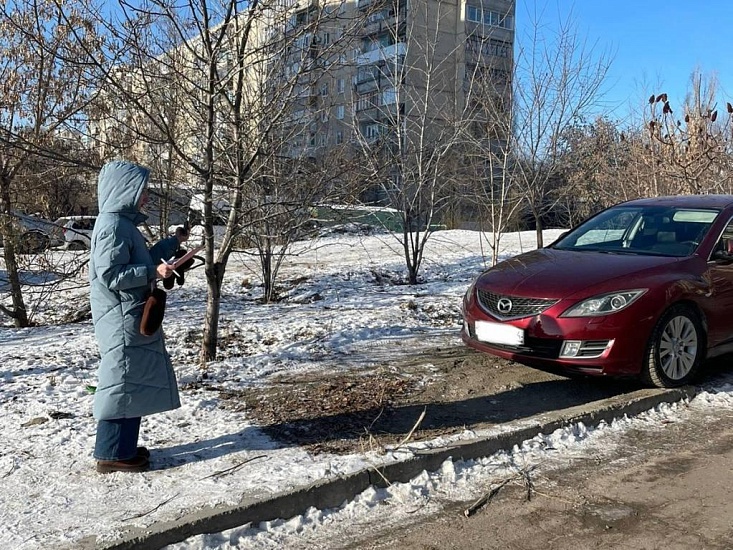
(609,229)
(652,230)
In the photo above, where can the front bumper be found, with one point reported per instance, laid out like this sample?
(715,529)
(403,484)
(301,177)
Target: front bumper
(612,345)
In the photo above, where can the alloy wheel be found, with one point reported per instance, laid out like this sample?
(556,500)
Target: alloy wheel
(678,347)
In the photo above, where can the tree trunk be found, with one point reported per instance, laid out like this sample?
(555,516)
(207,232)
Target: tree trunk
(18,313)
(268,280)
(214,280)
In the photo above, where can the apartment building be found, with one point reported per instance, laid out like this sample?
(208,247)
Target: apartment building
(378,67)
(336,76)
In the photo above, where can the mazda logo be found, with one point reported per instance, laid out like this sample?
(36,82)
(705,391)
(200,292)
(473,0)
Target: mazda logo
(504,305)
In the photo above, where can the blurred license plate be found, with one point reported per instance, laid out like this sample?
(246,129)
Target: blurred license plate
(495,333)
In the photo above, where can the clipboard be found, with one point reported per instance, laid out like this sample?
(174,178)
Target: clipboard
(187,256)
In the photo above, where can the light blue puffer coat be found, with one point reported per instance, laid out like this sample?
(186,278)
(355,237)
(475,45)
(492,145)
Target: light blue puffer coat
(135,375)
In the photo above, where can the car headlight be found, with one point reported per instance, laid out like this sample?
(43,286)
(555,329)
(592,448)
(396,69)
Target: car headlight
(604,304)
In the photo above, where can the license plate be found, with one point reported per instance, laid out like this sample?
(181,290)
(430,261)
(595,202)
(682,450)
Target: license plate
(495,333)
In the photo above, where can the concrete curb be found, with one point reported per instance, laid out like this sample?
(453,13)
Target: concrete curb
(333,492)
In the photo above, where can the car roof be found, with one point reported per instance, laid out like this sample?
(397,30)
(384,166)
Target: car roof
(685,201)
(66,219)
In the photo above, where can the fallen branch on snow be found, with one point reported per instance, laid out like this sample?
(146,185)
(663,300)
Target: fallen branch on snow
(233,468)
(141,514)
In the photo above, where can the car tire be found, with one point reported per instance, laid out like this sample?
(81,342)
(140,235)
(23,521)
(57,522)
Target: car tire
(676,348)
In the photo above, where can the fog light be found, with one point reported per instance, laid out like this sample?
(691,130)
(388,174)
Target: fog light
(570,348)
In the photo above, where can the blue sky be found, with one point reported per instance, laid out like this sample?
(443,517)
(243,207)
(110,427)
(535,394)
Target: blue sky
(655,46)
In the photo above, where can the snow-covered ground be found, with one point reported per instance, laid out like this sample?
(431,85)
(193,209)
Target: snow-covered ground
(341,311)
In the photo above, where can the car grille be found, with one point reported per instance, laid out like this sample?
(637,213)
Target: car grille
(520,306)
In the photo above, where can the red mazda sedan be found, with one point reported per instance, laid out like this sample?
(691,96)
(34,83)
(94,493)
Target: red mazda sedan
(644,289)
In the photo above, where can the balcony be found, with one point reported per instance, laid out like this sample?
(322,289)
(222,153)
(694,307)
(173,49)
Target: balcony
(385,20)
(364,5)
(371,77)
(378,105)
(386,53)
(303,13)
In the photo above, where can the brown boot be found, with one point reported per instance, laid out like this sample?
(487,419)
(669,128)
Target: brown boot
(136,464)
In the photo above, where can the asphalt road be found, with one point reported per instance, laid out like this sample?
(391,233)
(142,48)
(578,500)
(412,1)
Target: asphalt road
(669,488)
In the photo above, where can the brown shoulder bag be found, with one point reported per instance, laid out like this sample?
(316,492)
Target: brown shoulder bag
(154,311)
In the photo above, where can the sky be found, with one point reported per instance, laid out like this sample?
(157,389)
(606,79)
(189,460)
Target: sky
(51,497)
(655,46)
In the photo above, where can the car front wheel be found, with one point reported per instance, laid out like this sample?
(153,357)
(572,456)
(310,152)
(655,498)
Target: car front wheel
(676,348)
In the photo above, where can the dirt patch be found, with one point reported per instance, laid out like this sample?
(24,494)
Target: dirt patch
(444,391)
(334,414)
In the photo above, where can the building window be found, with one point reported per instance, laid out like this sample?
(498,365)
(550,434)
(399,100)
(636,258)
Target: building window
(487,17)
(484,46)
(500,78)
(339,137)
(324,89)
(340,112)
(341,85)
(379,42)
(371,132)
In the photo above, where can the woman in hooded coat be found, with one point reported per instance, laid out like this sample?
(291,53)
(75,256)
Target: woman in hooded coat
(135,376)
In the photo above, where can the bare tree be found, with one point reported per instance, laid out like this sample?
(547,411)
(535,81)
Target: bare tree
(487,143)
(596,168)
(406,130)
(558,79)
(203,90)
(279,165)
(44,90)
(685,149)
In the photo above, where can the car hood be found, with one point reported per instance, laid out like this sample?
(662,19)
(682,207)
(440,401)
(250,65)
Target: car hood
(551,273)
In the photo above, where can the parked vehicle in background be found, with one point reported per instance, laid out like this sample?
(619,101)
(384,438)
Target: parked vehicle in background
(195,217)
(77,231)
(643,289)
(32,234)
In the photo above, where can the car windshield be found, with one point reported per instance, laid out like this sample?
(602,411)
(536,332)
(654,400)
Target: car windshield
(652,230)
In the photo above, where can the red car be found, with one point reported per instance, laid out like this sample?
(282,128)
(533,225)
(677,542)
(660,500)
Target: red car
(643,289)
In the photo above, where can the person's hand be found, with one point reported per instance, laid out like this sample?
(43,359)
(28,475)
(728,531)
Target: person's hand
(181,234)
(164,270)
